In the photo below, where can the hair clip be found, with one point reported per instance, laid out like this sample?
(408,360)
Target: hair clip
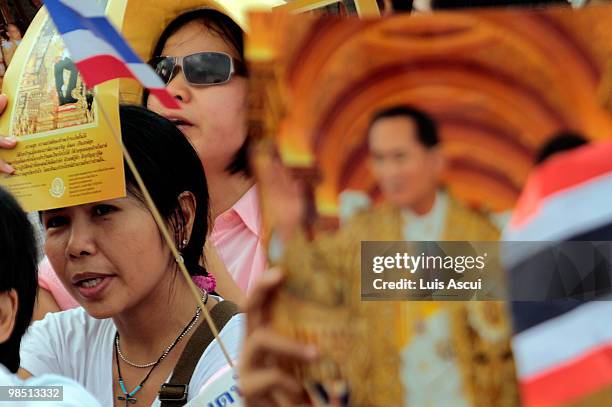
(206,283)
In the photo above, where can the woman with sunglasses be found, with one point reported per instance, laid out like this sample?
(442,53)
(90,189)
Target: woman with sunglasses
(122,344)
(200,56)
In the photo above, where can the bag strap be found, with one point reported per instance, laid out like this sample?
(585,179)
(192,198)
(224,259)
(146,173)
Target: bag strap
(174,393)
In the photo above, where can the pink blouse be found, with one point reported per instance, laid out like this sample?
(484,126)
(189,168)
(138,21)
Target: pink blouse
(237,237)
(48,280)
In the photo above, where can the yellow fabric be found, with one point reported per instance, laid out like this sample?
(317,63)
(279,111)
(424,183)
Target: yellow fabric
(385,223)
(488,382)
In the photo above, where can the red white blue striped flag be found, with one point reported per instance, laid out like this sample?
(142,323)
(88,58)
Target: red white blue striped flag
(563,348)
(99,51)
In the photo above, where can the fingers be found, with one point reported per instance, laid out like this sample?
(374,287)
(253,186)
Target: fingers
(266,356)
(6,168)
(328,394)
(263,380)
(316,400)
(3,102)
(7,142)
(271,383)
(257,304)
(265,344)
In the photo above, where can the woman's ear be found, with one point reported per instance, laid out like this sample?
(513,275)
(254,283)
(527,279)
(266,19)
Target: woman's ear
(9,303)
(188,205)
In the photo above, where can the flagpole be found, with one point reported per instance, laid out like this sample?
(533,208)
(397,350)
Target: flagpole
(164,231)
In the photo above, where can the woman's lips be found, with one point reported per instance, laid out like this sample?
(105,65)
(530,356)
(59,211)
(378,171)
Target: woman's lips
(184,127)
(181,124)
(178,121)
(93,288)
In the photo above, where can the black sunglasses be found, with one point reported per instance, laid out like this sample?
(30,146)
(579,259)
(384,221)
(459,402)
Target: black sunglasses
(202,68)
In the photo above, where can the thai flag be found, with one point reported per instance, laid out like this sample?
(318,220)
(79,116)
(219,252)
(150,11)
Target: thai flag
(563,348)
(99,52)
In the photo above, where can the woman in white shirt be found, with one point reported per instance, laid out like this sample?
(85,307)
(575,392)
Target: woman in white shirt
(137,311)
(17,294)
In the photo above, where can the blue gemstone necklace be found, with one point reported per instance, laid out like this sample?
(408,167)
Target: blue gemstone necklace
(128,396)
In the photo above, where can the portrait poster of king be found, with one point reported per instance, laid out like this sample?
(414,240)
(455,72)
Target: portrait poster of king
(418,127)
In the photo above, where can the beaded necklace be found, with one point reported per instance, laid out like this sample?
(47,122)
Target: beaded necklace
(128,397)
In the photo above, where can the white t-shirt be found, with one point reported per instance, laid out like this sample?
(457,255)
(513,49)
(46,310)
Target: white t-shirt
(73,394)
(73,344)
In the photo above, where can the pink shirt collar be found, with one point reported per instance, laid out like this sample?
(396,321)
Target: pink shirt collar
(236,235)
(247,209)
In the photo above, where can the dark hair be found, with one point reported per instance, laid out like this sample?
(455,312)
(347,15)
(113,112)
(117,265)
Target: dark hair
(213,20)
(18,271)
(169,166)
(232,34)
(427,131)
(559,142)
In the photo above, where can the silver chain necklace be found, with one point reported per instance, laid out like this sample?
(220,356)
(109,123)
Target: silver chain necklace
(169,348)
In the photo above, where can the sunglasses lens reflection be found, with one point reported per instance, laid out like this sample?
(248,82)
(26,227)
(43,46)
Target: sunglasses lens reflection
(207,68)
(164,69)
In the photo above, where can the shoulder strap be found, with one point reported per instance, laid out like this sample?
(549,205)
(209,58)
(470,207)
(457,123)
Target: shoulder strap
(174,393)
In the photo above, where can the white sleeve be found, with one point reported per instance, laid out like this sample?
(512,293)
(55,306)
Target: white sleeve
(71,393)
(41,346)
(213,360)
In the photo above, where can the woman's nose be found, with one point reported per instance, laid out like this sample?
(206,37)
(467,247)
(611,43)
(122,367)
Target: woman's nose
(179,88)
(82,240)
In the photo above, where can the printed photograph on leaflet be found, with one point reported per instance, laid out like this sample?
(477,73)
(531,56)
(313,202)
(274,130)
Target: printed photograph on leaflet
(67,153)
